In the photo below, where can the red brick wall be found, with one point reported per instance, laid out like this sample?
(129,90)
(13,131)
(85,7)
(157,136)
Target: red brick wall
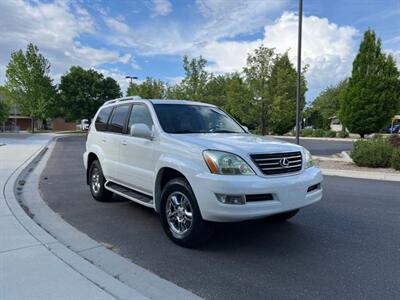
(59,124)
(23,124)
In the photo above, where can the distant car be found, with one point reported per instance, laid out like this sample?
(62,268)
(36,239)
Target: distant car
(393,129)
(85,124)
(193,164)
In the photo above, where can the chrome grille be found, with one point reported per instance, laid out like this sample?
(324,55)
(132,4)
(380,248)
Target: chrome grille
(278,163)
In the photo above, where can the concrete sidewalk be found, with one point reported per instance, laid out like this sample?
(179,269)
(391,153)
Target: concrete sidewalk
(34,265)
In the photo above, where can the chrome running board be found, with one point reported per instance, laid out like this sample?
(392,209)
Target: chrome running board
(129,193)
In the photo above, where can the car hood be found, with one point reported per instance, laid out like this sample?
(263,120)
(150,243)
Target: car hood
(237,142)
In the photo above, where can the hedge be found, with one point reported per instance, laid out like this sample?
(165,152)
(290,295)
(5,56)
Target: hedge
(343,134)
(330,133)
(374,153)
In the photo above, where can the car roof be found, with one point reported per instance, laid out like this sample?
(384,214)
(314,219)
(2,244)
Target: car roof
(173,101)
(135,99)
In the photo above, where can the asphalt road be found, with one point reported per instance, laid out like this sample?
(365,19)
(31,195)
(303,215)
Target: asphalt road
(322,147)
(344,247)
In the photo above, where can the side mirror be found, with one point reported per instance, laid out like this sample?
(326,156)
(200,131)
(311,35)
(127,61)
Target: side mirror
(141,130)
(245,128)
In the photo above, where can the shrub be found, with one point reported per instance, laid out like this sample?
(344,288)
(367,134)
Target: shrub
(394,139)
(330,133)
(396,159)
(374,153)
(377,136)
(318,133)
(307,132)
(343,134)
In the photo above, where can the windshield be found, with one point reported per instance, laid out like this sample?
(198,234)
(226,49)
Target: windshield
(182,118)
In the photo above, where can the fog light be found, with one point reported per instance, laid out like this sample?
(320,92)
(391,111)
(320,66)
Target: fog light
(231,199)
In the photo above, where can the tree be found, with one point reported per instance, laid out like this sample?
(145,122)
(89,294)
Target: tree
(313,117)
(215,90)
(28,80)
(4,104)
(148,89)
(282,90)
(373,91)
(175,92)
(196,77)
(4,111)
(238,99)
(82,92)
(327,104)
(258,73)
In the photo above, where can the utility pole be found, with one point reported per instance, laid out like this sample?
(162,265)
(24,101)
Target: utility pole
(298,73)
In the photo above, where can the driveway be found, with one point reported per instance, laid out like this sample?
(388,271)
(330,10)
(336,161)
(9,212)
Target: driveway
(344,247)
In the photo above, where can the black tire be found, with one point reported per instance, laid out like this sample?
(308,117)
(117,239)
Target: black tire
(199,231)
(282,217)
(99,192)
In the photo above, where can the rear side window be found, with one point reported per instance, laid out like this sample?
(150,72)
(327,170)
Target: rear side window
(118,119)
(140,114)
(102,118)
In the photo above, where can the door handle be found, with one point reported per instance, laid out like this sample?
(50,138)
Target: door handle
(124,143)
(104,140)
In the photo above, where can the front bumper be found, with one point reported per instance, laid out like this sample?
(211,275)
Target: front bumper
(289,192)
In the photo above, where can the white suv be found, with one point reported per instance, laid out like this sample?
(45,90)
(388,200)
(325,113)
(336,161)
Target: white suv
(194,165)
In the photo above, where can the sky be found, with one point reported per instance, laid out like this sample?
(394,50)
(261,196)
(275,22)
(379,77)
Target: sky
(149,37)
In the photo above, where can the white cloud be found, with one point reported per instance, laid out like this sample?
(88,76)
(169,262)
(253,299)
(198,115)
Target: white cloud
(228,18)
(220,19)
(116,25)
(118,76)
(327,48)
(55,28)
(174,80)
(161,7)
(227,57)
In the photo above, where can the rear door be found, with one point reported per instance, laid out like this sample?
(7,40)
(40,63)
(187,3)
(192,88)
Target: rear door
(115,131)
(100,138)
(137,163)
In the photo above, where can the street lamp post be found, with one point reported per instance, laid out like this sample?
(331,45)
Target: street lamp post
(298,73)
(131,78)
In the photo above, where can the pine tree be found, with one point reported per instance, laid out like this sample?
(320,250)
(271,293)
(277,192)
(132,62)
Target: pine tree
(373,92)
(282,86)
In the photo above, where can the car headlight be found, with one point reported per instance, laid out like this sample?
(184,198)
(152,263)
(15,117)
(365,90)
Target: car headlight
(308,159)
(226,163)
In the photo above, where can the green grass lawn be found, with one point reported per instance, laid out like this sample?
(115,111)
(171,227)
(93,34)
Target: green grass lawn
(71,132)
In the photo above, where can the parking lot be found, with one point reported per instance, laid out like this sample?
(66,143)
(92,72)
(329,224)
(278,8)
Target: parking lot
(346,246)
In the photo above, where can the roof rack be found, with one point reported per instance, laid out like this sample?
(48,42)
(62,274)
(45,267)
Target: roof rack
(122,99)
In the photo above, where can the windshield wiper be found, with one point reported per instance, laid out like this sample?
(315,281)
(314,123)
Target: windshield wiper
(223,131)
(187,131)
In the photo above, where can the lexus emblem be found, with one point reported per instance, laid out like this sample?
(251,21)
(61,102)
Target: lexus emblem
(284,162)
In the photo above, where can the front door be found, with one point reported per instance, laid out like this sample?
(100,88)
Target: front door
(136,168)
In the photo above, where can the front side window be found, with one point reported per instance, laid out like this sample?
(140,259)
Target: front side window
(118,119)
(140,114)
(102,118)
(183,118)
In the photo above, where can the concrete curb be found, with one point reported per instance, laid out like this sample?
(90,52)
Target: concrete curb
(119,276)
(353,173)
(361,174)
(345,157)
(314,138)
(101,279)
